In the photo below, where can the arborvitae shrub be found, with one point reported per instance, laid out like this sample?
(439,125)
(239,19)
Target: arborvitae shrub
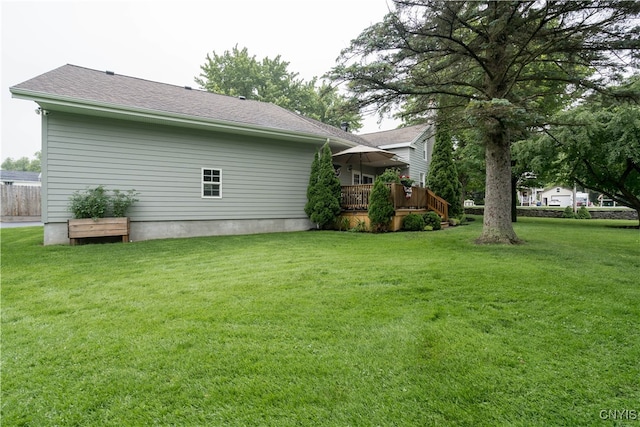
(443,174)
(380,206)
(323,193)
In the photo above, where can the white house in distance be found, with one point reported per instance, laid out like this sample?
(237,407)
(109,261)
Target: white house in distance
(556,196)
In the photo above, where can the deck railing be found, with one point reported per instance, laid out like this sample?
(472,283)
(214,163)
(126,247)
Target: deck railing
(356,198)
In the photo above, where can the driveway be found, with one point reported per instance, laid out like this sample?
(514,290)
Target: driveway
(20,224)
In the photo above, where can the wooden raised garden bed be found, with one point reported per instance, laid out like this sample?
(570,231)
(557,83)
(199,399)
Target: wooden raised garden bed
(101,227)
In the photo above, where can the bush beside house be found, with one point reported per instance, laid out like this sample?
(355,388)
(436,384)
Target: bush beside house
(413,222)
(97,203)
(433,220)
(323,192)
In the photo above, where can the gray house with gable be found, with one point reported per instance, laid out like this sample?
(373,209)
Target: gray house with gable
(202,163)
(412,144)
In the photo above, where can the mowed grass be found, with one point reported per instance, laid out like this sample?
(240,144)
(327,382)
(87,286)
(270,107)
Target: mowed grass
(324,328)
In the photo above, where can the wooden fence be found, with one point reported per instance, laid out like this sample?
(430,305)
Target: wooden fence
(20,201)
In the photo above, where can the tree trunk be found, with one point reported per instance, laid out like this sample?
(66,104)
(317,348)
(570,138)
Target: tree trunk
(514,198)
(497,226)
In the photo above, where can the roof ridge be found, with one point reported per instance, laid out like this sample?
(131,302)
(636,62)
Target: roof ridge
(155,82)
(395,129)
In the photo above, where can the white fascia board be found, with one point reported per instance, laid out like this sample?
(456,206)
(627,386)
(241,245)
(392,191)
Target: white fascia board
(397,145)
(73,105)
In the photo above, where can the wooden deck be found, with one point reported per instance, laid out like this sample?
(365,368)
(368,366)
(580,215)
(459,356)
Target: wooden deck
(356,198)
(355,204)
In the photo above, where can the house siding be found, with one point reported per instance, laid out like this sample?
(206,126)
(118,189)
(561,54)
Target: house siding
(261,178)
(417,163)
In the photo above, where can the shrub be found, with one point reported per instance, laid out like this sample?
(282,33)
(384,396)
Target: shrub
(413,222)
(323,193)
(342,223)
(583,213)
(390,176)
(121,202)
(380,206)
(433,219)
(98,203)
(92,203)
(568,212)
(360,227)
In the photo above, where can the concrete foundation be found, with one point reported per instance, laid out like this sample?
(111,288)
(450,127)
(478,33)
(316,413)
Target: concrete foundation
(57,233)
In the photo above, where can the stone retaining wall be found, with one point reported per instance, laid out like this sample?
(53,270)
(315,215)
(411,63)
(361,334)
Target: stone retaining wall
(541,212)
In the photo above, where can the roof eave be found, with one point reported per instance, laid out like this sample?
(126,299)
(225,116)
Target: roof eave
(74,105)
(396,145)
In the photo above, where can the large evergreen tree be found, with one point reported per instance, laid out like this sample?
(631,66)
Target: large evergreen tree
(443,174)
(507,64)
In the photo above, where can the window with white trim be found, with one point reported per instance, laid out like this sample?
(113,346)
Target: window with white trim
(366,179)
(211,183)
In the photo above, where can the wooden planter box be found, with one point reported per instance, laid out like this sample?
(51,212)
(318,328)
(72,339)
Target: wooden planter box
(101,227)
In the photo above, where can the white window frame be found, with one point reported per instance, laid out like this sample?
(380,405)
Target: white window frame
(203,183)
(360,177)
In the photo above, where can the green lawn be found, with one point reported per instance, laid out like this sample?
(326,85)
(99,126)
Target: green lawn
(325,328)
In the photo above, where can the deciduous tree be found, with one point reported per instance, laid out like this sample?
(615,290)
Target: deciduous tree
(596,145)
(22,164)
(237,73)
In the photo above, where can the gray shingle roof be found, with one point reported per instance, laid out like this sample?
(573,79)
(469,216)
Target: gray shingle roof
(87,86)
(16,176)
(395,136)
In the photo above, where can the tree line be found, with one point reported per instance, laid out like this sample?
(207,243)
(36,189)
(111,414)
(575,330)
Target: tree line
(23,164)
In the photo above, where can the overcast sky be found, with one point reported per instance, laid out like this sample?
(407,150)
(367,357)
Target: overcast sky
(165,41)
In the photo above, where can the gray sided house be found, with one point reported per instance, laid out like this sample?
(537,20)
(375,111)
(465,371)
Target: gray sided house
(412,144)
(202,163)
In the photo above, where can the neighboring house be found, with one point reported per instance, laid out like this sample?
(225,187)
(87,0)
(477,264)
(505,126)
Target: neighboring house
(529,196)
(556,196)
(551,196)
(20,178)
(202,163)
(20,196)
(413,145)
